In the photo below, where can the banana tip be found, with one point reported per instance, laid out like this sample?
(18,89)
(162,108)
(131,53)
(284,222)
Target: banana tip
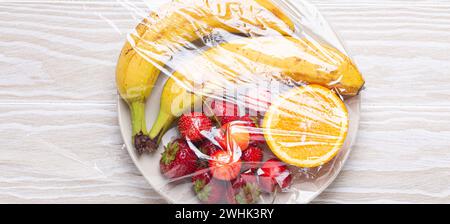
(143,143)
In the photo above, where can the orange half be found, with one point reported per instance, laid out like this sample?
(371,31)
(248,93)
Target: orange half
(306,126)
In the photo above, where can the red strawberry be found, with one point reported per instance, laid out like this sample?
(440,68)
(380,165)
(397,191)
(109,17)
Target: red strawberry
(252,156)
(256,134)
(224,166)
(212,192)
(177,160)
(244,191)
(274,173)
(229,193)
(201,178)
(231,135)
(192,124)
(249,175)
(227,119)
(220,137)
(225,111)
(208,148)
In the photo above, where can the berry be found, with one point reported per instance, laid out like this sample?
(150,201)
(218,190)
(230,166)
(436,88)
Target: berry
(252,156)
(201,178)
(228,119)
(233,136)
(177,160)
(224,166)
(208,148)
(211,193)
(256,134)
(244,191)
(249,175)
(192,124)
(273,174)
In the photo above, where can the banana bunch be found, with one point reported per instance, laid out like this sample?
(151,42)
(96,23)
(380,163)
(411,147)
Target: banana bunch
(250,60)
(160,36)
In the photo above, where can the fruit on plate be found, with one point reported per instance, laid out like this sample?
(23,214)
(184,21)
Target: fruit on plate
(299,59)
(252,156)
(256,133)
(306,126)
(191,125)
(212,192)
(244,191)
(177,160)
(233,136)
(224,165)
(200,179)
(251,60)
(273,175)
(209,148)
(173,103)
(160,36)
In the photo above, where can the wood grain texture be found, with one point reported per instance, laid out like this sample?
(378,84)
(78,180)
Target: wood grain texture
(59,135)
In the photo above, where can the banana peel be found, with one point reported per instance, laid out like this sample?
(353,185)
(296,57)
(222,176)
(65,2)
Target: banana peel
(158,38)
(250,60)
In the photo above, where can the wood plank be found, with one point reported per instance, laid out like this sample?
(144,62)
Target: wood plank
(59,160)
(58,120)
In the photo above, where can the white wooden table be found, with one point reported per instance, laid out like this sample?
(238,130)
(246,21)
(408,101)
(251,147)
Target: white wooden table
(59,135)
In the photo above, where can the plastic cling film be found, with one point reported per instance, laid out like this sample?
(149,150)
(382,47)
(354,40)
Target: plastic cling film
(251,98)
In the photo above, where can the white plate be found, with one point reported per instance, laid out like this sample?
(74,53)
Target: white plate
(305,187)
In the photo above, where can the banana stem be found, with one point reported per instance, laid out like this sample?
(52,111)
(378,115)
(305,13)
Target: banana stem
(141,141)
(138,117)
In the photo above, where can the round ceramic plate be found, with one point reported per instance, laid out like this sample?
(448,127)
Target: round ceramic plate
(304,188)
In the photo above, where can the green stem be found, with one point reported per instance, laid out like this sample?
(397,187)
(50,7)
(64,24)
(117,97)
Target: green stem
(138,117)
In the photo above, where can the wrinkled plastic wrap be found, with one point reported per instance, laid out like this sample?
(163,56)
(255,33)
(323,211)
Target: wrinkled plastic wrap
(237,101)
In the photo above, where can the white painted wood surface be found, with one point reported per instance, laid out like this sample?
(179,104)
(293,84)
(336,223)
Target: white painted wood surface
(59,135)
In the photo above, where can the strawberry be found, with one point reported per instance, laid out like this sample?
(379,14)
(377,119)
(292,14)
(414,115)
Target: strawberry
(225,111)
(249,175)
(274,173)
(224,166)
(177,160)
(201,178)
(256,134)
(233,136)
(227,119)
(192,124)
(220,137)
(252,156)
(229,193)
(244,191)
(208,148)
(211,193)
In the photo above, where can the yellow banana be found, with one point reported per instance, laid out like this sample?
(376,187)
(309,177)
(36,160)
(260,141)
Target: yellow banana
(251,60)
(302,60)
(164,33)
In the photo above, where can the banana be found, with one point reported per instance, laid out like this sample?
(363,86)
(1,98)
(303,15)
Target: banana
(301,60)
(163,34)
(250,60)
